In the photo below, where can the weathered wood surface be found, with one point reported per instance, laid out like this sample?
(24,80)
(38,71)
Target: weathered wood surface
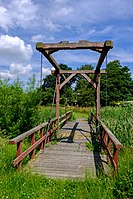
(69,158)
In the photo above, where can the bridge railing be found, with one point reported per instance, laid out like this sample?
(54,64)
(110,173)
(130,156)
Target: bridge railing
(46,130)
(109,142)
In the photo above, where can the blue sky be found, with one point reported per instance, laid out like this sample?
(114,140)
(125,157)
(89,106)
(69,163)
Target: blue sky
(25,22)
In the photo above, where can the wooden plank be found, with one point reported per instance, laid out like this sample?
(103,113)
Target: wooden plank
(78,71)
(68,159)
(67,80)
(27,133)
(107,46)
(112,136)
(25,153)
(89,80)
(51,60)
(83,44)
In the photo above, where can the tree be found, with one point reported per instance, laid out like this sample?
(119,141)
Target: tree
(119,83)
(84,92)
(48,88)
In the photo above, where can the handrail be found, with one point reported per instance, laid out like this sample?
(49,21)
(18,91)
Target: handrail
(110,143)
(44,138)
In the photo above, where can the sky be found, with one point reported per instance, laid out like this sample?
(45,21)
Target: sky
(23,23)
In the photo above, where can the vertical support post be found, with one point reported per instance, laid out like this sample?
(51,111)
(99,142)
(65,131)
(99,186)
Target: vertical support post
(109,147)
(19,151)
(98,97)
(115,155)
(97,100)
(41,135)
(57,95)
(32,142)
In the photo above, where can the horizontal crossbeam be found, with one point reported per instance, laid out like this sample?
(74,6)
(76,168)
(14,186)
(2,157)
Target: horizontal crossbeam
(77,71)
(66,45)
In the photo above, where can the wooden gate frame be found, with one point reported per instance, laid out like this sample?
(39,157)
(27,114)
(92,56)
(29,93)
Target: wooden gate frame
(101,47)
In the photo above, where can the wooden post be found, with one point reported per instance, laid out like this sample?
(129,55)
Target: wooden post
(97,100)
(115,155)
(32,142)
(19,151)
(98,97)
(41,135)
(58,96)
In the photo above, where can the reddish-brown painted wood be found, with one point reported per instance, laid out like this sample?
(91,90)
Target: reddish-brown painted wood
(108,140)
(115,156)
(20,155)
(25,153)
(32,142)
(41,135)
(19,152)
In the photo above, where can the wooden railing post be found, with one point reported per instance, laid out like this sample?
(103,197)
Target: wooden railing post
(41,135)
(67,116)
(115,157)
(108,147)
(32,142)
(19,151)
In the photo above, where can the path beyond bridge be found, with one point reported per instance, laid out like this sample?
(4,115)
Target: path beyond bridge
(70,157)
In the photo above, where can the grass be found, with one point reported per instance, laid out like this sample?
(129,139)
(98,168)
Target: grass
(14,185)
(120,122)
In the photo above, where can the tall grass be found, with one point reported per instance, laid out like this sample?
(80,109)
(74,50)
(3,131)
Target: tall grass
(14,185)
(120,122)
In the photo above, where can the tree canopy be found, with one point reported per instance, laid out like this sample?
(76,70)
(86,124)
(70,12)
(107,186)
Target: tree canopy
(116,85)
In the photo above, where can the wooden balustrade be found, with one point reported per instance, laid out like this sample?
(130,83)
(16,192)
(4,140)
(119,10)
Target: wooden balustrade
(45,135)
(109,142)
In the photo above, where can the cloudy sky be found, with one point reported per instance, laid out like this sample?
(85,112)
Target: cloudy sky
(25,22)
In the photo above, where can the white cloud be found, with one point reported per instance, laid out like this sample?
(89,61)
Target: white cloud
(38,38)
(19,69)
(122,55)
(46,71)
(16,70)
(5,20)
(42,38)
(78,58)
(6,75)
(18,13)
(14,49)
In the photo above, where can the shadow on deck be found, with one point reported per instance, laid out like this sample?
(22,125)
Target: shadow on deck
(70,157)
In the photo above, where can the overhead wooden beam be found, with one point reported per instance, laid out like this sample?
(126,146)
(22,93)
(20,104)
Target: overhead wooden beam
(65,45)
(78,71)
(89,80)
(50,59)
(107,46)
(67,80)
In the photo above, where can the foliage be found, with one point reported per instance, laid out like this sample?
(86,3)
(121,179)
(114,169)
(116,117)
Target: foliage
(26,185)
(119,121)
(48,88)
(119,84)
(17,107)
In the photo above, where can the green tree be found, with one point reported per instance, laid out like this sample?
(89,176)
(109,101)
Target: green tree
(84,91)
(48,88)
(18,108)
(119,83)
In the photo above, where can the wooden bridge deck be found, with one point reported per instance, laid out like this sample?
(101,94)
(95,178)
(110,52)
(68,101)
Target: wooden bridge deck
(70,158)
